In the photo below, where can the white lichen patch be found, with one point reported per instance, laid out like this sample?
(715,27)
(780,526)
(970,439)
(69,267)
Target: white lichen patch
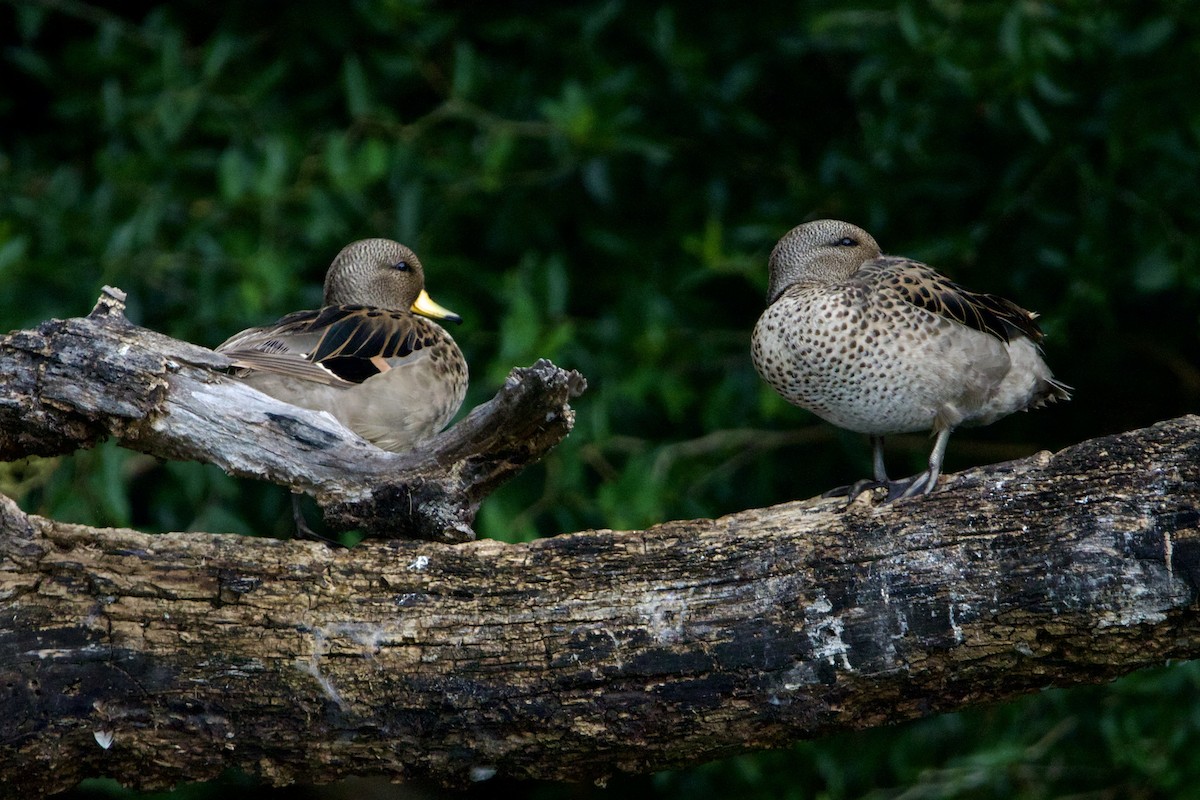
(368,637)
(312,667)
(663,614)
(363,639)
(1169,552)
(618,662)
(953,611)
(1143,601)
(1146,589)
(824,632)
(482,773)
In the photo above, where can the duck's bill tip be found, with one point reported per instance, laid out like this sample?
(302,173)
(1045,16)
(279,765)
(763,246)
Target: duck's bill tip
(426,306)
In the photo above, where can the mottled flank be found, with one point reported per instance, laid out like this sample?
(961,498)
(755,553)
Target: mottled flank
(389,375)
(883,345)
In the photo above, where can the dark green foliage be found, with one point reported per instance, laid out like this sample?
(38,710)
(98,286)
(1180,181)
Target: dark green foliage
(600,184)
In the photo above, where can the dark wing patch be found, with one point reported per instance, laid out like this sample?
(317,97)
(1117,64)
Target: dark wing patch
(348,341)
(353,370)
(355,333)
(925,288)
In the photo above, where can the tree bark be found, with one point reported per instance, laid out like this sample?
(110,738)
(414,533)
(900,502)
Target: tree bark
(156,659)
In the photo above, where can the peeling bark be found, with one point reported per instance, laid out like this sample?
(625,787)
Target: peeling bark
(156,659)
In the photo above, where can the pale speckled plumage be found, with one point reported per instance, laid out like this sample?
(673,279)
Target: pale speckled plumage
(882,345)
(365,357)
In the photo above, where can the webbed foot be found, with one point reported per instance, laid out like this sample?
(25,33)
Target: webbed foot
(919,484)
(852,491)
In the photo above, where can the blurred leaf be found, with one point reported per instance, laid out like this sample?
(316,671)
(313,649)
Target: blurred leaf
(1032,119)
(358,95)
(234,174)
(464,70)
(1147,38)
(1154,271)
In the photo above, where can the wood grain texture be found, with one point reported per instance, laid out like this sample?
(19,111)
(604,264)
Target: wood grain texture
(590,653)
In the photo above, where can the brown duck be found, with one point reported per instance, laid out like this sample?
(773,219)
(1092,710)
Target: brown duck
(389,375)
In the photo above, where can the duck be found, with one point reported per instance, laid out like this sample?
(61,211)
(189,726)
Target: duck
(883,345)
(371,356)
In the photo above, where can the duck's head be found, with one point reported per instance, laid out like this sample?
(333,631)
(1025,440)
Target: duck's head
(384,274)
(821,251)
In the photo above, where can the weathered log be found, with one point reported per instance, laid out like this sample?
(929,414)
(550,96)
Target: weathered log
(157,659)
(72,383)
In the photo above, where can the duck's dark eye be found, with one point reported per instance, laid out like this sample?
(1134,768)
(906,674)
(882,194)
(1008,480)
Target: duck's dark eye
(401,266)
(846,241)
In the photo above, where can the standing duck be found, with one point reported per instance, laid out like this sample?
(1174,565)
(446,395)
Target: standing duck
(883,345)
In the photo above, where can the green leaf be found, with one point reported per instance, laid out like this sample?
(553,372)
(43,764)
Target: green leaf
(464,70)
(1011,33)
(111,103)
(373,159)
(354,81)
(219,51)
(234,173)
(1147,38)
(906,20)
(1032,119)
(272,177)
(1155,271)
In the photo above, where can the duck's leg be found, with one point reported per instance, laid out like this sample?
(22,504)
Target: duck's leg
(866,484)
(923,482)
(877,458)
(302,529)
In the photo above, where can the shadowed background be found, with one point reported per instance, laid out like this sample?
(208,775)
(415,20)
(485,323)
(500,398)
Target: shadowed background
(600,184)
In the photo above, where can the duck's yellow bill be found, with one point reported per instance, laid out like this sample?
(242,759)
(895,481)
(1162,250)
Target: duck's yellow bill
(425,305)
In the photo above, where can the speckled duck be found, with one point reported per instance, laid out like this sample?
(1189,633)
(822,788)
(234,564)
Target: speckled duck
(883,345)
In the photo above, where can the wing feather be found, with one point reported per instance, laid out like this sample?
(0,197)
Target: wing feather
(335,345)
(925,288)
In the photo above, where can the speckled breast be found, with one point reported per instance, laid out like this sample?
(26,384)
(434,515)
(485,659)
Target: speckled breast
(862,365)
